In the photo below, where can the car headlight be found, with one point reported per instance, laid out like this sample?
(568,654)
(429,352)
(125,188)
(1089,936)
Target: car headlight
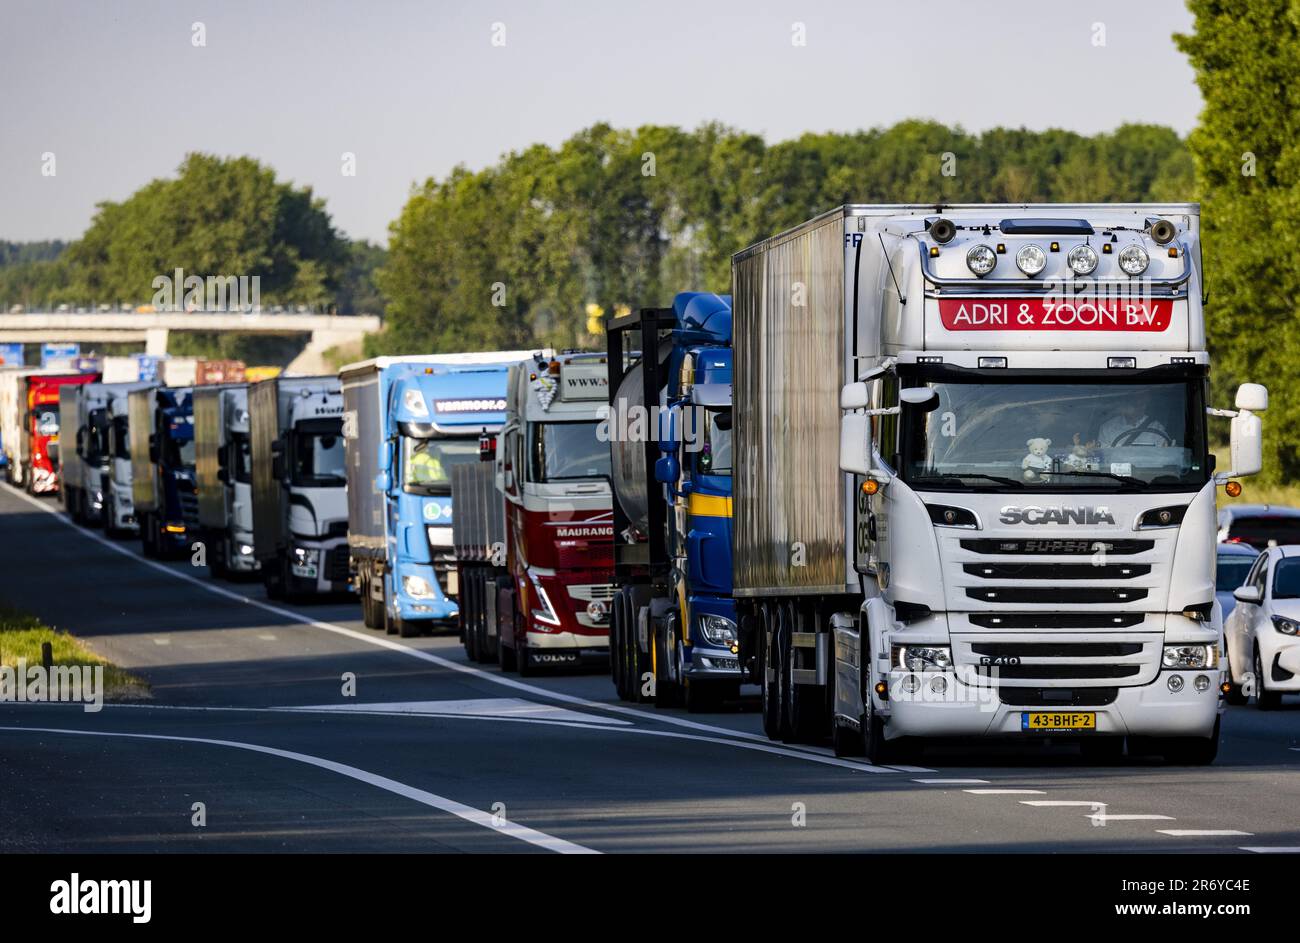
(1082,260)
(980,259)
(545,611)
(1031,259)
(719,630)
(922,657)
(1286,626)
(1190,656)
(417,587)
(1134,259)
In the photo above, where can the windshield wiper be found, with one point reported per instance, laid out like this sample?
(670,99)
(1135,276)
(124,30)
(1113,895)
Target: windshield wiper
(958,476)
(1126,481)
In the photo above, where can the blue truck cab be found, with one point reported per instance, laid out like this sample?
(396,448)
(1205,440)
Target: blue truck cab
(406,422)
(162,468)
(682,582)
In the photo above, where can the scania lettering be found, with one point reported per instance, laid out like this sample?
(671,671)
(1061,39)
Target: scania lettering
(952,382)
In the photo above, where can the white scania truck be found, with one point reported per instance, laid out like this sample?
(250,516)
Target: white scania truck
(973,490)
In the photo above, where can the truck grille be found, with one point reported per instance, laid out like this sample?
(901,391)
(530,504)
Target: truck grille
(1056,649)
(592,592)
(1057,594)
(1056,547)
(1058,697)
(1055,620)
(1071,672)
(336,564)
(444,567)
(1057,571)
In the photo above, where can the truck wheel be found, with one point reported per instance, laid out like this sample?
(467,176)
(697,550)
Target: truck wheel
(768,659)
(806,704)
(505,656)
(148,536)
(522,662)
(616,653)
(406,628)
(874,745)
(1265,699)
(668,693)
(469,630)
(1190,751)
(845,741)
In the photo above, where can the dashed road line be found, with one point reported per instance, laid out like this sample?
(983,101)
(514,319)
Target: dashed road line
(1051,803)
(1272,849)
(951,782)
(1202,832)
(1005,792)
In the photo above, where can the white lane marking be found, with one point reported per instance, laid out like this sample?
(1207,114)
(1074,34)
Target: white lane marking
(443,804)
(480,707)
(1126,817)
(951,782)
(298,618)
(910,769)
(1005,792)
(162,641)
(1272,849)
(1200,832)
(1050,803)
(267,638)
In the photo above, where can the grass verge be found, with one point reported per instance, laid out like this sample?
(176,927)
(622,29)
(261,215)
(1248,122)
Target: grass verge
(21,637)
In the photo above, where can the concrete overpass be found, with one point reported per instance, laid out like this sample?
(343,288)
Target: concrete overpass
(324,330)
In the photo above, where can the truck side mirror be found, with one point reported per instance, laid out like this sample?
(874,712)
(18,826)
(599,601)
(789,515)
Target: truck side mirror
(1252,396)
(1247,443)
(921,396)
(153,448)
(670,421)
(223,475)
(80,448)
(855,443)
(383,458)
(382,483)
(667,470)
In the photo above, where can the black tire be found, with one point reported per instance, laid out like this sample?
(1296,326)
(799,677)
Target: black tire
(523,664)
(874,745)
(668,693)
(406,628)
(769,658)
(1265,699)
(617,648)
(1235,696)
(845,741)
(1189,751)
(506,660)
(807,716)
(638,661)
(468,626)
(149,536)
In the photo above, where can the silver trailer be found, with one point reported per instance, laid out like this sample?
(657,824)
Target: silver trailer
(299,493)
(223,474)
(478,534)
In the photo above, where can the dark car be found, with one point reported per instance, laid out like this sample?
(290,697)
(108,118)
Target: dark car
(1259,525)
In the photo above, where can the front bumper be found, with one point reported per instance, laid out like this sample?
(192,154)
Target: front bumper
(238,562)
(566,648)
(968,710)
(1281,657)
(435,608)
(709,663)
(44,481)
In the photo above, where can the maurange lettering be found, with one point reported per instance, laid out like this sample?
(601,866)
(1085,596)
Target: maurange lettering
(589,531)
(1057,515)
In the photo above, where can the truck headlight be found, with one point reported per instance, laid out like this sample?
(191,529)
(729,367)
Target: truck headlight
(980,259)
(1134,260)
(1286,626)
(1190,656)
(417,587)
(545,612)
(439,536)
(1031,259)
(719,630)
(1082,260)
(922,657)
(245,550)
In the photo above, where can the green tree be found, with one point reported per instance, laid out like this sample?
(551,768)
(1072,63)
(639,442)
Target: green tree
(1246,54)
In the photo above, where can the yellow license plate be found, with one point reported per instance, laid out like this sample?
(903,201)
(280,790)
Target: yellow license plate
(1058,720)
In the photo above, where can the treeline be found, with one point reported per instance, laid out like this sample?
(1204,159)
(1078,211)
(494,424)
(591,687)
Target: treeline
(538,247)
(215,217)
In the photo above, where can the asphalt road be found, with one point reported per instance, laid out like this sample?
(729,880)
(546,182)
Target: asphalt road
(249,718)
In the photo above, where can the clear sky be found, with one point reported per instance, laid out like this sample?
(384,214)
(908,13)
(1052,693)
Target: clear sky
(118,92)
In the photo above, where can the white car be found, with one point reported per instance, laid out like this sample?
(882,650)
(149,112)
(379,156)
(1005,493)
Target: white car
(1263,631)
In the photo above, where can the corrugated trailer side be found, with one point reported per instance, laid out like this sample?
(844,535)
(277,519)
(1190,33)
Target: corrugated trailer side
(789,343)
(144,481)
(362,431)
(478,523)
(207,458)
(264,430)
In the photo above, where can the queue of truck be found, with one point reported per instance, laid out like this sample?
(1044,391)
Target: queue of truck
(927,472)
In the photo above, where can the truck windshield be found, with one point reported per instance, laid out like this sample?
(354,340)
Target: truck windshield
(1059,434)
(564,451)
(318,458)
(715,454)
(426,463)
